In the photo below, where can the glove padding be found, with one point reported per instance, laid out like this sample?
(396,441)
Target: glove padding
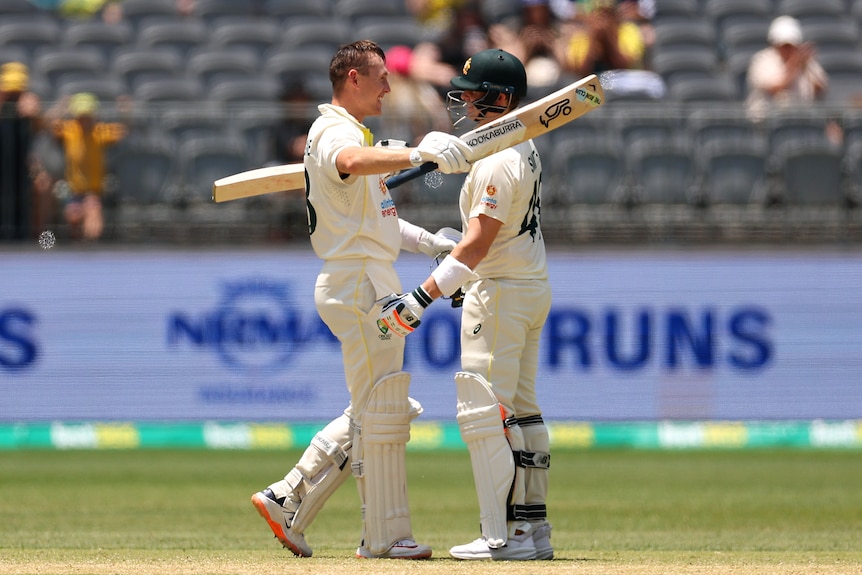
(433,245)
(402,313)
(447,151)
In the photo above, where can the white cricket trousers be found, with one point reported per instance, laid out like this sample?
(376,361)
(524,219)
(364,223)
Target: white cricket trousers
(344,295)
(501,325)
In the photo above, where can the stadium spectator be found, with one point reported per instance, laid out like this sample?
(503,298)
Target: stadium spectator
(20,112)
(786,73)
(537,42)
(84,141)
(603,39)
(415,106)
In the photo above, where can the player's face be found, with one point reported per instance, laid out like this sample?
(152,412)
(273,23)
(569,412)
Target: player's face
(374,84)
(477,105)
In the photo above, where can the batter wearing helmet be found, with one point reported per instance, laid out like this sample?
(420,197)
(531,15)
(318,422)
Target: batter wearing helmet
(500,265)
(356,231)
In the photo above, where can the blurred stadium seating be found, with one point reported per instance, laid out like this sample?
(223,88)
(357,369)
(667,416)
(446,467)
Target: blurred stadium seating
(205,84)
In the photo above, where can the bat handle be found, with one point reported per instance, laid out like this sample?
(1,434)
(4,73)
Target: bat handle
(410,174)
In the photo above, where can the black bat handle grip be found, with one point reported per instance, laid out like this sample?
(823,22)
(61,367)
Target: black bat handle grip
(410,174)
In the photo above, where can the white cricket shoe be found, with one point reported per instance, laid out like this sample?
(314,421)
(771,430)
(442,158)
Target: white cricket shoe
(519,547)
(542,540)
(403,549)
(275,515)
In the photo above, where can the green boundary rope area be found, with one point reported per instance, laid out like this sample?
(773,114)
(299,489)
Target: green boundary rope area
(817,434)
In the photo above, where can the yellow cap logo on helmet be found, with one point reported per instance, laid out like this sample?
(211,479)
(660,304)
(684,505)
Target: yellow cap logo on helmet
(467,66)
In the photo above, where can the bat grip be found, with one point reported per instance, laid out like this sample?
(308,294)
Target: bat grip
(410,174)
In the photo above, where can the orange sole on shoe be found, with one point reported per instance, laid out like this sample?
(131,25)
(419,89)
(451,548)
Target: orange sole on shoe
(275,526)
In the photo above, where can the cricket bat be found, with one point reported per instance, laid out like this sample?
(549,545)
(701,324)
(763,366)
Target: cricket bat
(259,181)
(522,124)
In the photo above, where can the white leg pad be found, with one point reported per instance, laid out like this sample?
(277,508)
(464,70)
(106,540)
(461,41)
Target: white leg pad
(319,472)
(536,441)
(385,431)
(481,424)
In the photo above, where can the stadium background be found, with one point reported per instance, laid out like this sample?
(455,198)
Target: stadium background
(706,269)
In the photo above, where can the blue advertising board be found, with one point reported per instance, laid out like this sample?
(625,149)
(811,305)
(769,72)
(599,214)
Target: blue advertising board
(233,335)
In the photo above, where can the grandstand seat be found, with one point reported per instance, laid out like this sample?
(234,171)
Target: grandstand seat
(729,13)
(138,64)
(652,124)
(30,35)
(179,34)
(212,65)
(254,89)
(204,160)
(14,54)
(206,120)
(688,63)
(662,172)
(254,34)
(500,11)
(734,172)
(256,126)
(106,87)
(354,10)
(837,37)
(291,11)
(796,126)
(211,10)
(675,10)
(813,11)
(145,170)
(853,169)
(586,171)
(23,7)
(707,125)
(136,12)
(179,89)
(811,174)
(743,38)
(99,34)
(324,32)
(298,61)
(717,88)
(851,122)
(394,31)
(845,76)
(597,125)
(676,35)
(84,62)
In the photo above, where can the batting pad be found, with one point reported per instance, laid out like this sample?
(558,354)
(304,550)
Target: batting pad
(320,471)
(481,424)
(385,433)
(537,445)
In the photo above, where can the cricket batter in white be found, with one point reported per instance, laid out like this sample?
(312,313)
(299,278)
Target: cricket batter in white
(356,231)
(500,265)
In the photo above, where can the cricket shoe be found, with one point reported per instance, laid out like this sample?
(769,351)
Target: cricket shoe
(403,549)
(542,540)
(270,509)
(519,547)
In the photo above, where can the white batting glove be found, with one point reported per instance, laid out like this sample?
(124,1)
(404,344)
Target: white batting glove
(447,151)
(401,314)
(433,245)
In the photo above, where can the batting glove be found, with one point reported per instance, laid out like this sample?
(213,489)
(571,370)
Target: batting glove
(447,151)
(433,245)
(401,313)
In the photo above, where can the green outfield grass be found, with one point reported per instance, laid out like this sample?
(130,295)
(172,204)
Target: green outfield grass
(166,512)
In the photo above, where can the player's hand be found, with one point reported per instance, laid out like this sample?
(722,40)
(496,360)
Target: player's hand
(447,151)
(434,245)
(401,313)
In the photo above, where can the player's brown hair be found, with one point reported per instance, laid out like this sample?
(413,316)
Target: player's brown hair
(353,56)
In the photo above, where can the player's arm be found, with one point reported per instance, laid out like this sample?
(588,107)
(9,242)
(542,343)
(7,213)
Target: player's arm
(447,151)
(402,313)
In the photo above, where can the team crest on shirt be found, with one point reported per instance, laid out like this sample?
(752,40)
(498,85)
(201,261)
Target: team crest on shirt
(488,199)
